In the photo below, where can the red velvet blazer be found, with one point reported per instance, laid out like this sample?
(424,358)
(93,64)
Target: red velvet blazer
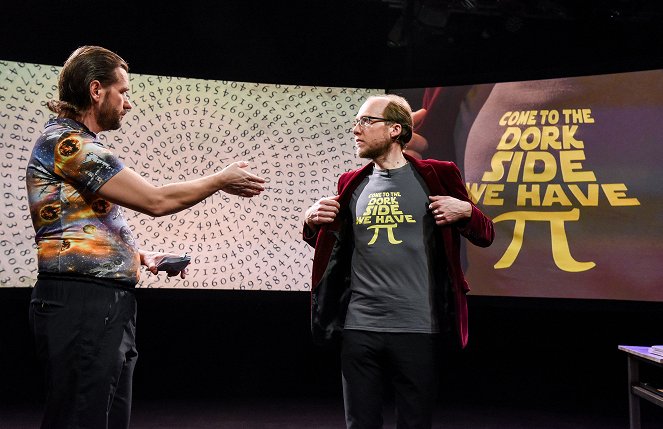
(330,285)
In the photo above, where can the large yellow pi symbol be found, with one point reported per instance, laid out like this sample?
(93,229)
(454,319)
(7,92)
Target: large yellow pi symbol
(390,233)
(560,244)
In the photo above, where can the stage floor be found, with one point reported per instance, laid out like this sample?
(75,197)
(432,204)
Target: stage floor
(307,413)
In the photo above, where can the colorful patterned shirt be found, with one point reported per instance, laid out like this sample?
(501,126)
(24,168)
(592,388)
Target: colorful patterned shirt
(77,231)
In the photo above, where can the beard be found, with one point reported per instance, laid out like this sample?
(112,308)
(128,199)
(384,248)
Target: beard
(109,118)
(374,151)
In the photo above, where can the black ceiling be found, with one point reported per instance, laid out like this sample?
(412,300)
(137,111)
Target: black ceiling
(366,43)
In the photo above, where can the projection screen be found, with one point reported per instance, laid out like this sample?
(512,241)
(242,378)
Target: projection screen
(297,137)
(567,169)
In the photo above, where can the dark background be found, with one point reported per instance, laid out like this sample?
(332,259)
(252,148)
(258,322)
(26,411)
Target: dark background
(200,344)
(363,43)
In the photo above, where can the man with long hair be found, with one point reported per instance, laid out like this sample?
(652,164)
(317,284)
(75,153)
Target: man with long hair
(83,308)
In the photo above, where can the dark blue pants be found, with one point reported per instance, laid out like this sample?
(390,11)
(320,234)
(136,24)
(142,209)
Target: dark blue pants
(85,338)
(374,361)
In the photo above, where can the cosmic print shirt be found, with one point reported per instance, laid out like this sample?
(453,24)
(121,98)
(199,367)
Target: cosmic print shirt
(77,232)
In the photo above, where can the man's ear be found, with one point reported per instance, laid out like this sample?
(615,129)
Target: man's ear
(395,130)
(95,88)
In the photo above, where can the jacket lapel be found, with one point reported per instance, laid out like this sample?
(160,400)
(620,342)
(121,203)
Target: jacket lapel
(345,194)
(351,185)
(430,176)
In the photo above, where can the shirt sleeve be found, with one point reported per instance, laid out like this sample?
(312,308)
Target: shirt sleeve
(84,162)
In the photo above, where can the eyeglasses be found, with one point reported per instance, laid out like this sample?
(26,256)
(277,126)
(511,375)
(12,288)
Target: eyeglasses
(367,121)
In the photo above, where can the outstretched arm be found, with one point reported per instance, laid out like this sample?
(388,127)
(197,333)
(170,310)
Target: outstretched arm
(128,189)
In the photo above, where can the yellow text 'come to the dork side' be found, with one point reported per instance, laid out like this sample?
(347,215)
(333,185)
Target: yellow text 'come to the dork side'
(534,151)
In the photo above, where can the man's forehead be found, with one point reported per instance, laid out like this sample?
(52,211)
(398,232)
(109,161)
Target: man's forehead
(122,77)
(373,106)
(122,74)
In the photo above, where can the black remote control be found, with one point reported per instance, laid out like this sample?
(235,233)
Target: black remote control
(174,263)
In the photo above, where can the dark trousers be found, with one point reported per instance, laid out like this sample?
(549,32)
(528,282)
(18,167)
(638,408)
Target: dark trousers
(373,361)
(85,338)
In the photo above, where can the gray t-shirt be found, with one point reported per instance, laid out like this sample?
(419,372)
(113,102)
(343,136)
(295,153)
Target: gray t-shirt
(392,280)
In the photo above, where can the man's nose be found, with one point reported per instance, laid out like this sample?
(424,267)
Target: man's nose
(356,128)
